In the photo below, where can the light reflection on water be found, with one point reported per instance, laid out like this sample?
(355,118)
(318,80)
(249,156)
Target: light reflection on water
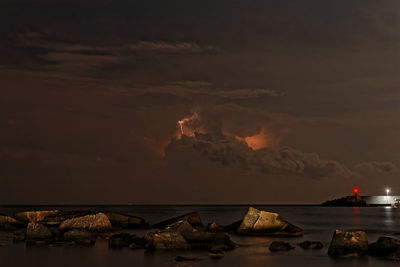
(318,223)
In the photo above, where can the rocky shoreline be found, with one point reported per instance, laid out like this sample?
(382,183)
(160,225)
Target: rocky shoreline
(186,232)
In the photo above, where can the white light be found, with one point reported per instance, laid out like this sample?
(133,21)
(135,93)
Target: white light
(387,191)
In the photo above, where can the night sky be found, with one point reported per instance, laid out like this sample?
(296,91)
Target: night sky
(155,101)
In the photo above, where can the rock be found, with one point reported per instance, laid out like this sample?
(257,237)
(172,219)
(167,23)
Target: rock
(35,242)
(233,226)
(166,240)
(386,247)
(348,243)
(193,218)
(37,231)
(76,234)
(214,227)
(19,236)
(8,223)
(216,253)
(257,222)
(58,218)
(125,221)
(311,245)
(135,246)
(35,216)
(200,238)
(280,246)
(183,258)
(225,244)
(126,240)
(98,223)
(85,242)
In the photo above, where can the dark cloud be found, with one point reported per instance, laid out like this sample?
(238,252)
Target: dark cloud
(380,167)
(234,153)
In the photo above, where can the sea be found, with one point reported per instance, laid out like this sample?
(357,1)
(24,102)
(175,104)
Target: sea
(319,224)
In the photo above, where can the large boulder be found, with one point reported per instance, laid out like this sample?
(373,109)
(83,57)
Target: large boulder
(386,247)
(348,244)
(125,221)
(35,216)
(193,218)
(97,222)
(37,231)
(258,222)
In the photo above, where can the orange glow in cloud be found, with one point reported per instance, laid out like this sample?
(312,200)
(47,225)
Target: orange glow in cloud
(186,125)
(258,141)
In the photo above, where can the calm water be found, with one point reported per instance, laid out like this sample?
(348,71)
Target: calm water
(318,224)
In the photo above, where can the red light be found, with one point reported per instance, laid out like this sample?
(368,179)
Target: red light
(355,190)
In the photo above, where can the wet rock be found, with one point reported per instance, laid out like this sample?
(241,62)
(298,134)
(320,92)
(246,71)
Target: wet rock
(35,216)
(166,240)
(193,218)
(37,231)
(280,246)
(348,244)
(199,238)
(216,253)
(214,227)
(35,242)
(225,244)
(19,236)
(258,222)
(9,224)
(386,247)
(76,234)
(125,221)
(311,245)
(121,240)
(233,226)
(183,258)
(85,242)
(98,223)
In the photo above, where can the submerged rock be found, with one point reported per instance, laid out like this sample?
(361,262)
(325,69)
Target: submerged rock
(121,240)
(280,246)
(98,223)
(386,247)
(311,245)
(183,258)
(348,243)
(37,231)
(125,221)
(193,218)
(258,222)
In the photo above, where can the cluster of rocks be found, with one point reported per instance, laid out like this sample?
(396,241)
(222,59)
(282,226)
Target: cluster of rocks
(56,227)
(355,243)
